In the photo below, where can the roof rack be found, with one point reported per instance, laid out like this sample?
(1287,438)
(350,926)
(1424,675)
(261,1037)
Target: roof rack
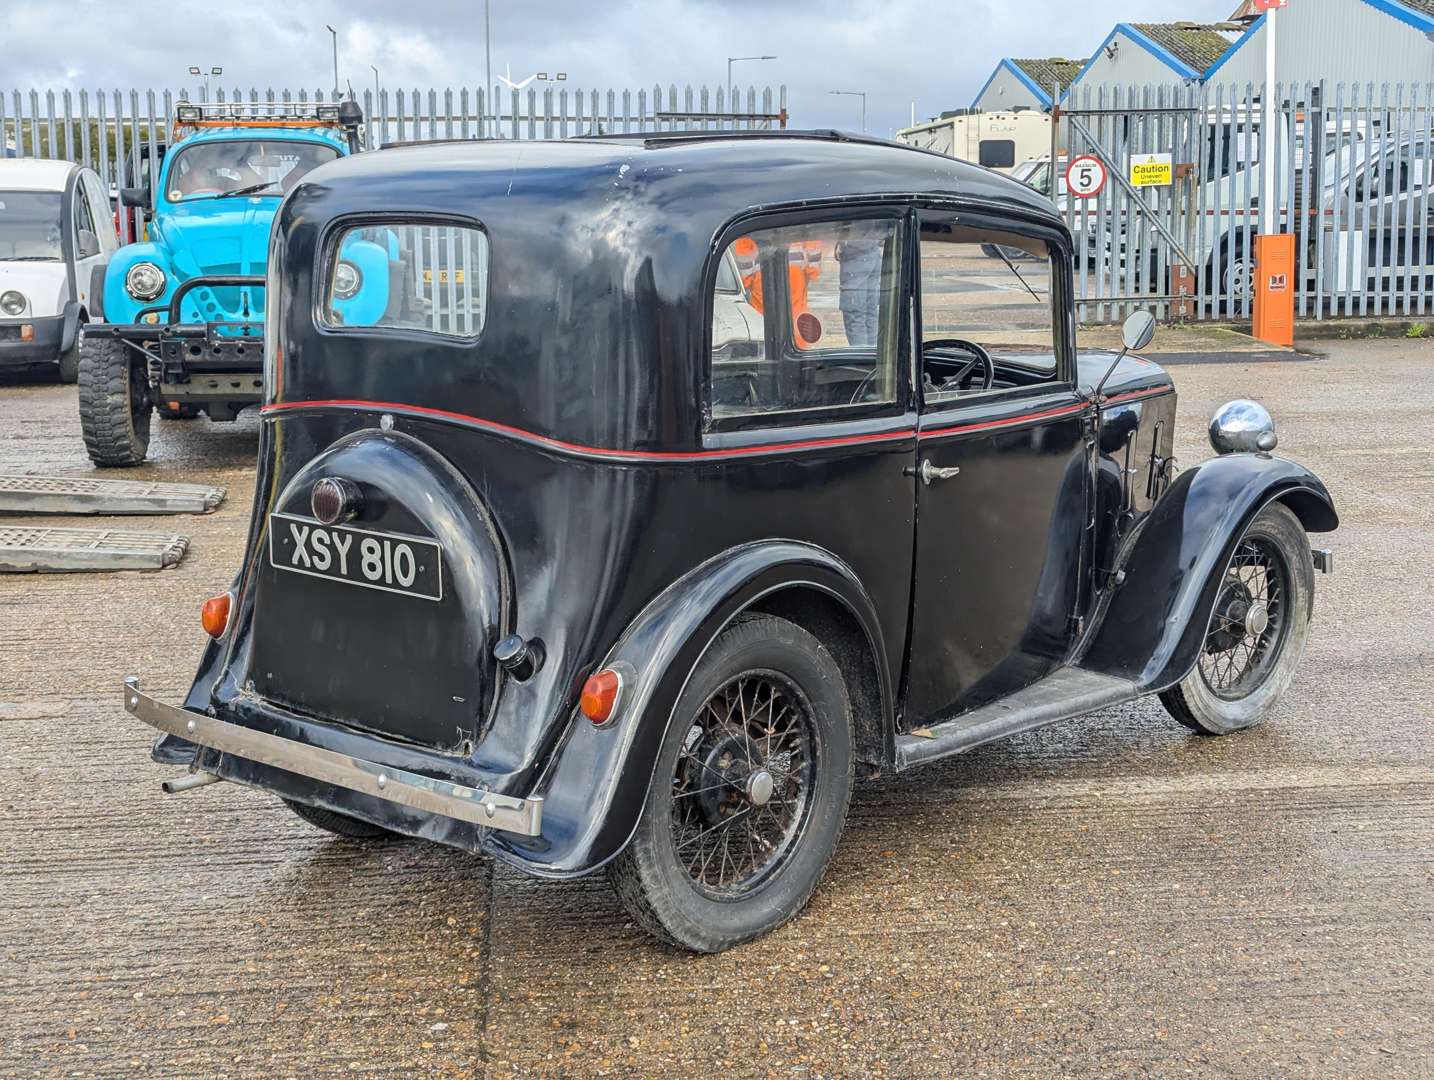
(819,134)
(190,116)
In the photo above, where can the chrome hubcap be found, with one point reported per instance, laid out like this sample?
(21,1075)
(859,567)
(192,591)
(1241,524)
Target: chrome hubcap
(759,787)
(1257,619)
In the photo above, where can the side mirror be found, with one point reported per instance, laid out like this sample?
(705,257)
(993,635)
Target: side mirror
(88,244)
(1138,331)
(135,196)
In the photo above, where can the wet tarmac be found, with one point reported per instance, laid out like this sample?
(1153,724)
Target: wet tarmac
(1113,897)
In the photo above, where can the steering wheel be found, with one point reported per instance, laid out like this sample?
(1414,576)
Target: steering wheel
(978,356)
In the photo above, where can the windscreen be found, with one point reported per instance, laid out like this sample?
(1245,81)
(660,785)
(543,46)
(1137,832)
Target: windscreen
(30,226)
(242,167)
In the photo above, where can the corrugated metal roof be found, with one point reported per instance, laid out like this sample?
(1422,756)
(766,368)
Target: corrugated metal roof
(1194,44)
(1052,69)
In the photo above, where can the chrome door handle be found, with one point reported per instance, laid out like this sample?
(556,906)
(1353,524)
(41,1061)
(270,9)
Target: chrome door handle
(929,472)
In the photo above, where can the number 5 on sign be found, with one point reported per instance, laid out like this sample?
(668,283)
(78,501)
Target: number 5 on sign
(1085,176)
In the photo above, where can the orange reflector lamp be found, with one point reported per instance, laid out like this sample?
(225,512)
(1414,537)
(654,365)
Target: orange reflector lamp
(27,331)
(215,615)
(600,695)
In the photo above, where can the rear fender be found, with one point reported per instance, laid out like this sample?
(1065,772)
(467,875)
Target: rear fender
(1154,623)
(595,785)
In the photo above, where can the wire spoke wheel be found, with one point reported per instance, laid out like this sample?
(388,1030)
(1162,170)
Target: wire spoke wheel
(741,793)
(1249,622)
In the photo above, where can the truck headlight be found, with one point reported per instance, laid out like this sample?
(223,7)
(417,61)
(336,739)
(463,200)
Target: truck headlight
(347,280)
(144,281)
(12,302)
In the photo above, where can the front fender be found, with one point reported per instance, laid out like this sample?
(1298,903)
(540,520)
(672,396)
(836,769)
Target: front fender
(1155,622)
(595,784)
(119,306)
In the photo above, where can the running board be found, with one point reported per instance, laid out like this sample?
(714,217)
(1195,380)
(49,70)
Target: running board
(1061,695)
(24,494)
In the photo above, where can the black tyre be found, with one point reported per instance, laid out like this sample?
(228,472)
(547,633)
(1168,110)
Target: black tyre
(1230,277)
(70,365)
(749,794)
(1257,631)
(338,824)
(115,403)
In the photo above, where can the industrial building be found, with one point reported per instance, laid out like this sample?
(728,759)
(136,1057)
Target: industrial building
(1025,84)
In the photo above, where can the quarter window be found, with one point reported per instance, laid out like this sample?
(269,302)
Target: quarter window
(804,317)
(988,321)
(409,277)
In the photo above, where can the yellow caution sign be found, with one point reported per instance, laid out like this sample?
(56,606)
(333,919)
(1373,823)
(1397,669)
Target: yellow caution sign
(1151,170)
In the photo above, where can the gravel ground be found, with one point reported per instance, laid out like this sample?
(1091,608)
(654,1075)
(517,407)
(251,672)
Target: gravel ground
(1111,897)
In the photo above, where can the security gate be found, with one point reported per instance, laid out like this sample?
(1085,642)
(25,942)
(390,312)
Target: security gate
(1353,168)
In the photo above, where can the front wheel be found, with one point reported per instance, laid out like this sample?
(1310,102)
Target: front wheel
(115,403)
(1257,631)
(749,794)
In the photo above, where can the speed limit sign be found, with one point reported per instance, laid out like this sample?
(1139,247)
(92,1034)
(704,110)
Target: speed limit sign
(1085,176)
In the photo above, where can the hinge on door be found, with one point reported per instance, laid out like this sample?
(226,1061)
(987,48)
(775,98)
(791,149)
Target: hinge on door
(1077,625)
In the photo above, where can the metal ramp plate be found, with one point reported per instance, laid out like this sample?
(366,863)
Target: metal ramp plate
(20,494)
(38,549)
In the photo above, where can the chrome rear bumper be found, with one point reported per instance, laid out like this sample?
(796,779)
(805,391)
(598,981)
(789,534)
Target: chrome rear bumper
(523,816)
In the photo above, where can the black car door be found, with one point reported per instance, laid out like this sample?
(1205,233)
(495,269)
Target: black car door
(1002,466)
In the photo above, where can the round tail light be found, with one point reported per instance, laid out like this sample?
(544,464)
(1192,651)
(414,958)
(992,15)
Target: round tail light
(600,696)
(334,500)
(214,615)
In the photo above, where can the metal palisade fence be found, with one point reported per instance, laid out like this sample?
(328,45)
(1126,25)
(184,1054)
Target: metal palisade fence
(116,131)
(1352,172)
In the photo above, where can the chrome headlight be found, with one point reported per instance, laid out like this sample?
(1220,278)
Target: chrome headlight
(145,281)
(12,302)
(1242,426)
(347,280)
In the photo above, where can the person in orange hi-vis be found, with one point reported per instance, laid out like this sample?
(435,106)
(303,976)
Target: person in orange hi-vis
(804,265)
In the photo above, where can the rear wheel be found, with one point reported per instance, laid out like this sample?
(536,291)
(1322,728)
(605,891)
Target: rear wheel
(749,794)
(336,823)
(1257,631)
(115,403)
(70,365)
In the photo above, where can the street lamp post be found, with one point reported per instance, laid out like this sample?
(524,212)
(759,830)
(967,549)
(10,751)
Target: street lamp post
(214,71)
(856,93)
(737,60)
(334,34)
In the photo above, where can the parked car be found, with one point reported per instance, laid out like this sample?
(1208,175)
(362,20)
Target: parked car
(56,237)
(583,586)
(184,309)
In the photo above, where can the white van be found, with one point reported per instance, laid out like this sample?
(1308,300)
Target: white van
(57,234)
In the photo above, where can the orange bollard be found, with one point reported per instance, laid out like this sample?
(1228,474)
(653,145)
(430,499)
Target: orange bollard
(1275,288)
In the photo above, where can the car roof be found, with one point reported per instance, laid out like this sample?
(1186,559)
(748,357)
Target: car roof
(324,135)
(759,168)
(34,174)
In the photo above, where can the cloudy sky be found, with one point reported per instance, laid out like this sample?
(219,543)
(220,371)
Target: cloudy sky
(937,54)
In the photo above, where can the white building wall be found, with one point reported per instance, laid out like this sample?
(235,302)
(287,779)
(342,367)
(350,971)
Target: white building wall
(1339,41)
(1133,64)
(1006,92)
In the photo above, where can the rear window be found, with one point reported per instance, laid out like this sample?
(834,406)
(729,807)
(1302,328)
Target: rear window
(405,276)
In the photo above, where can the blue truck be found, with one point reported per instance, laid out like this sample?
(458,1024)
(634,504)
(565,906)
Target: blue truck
(181,324)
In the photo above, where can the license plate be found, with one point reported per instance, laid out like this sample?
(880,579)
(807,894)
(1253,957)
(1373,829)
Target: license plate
(442,277)
(390,562)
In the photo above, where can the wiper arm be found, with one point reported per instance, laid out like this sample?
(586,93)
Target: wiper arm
(1012,267)
(250,190)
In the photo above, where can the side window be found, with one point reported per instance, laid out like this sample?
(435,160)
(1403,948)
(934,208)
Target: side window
(805,317)
(997,153)
(87,238)
(988,319)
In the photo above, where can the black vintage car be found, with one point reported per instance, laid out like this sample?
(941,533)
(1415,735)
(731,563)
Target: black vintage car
(719,464)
